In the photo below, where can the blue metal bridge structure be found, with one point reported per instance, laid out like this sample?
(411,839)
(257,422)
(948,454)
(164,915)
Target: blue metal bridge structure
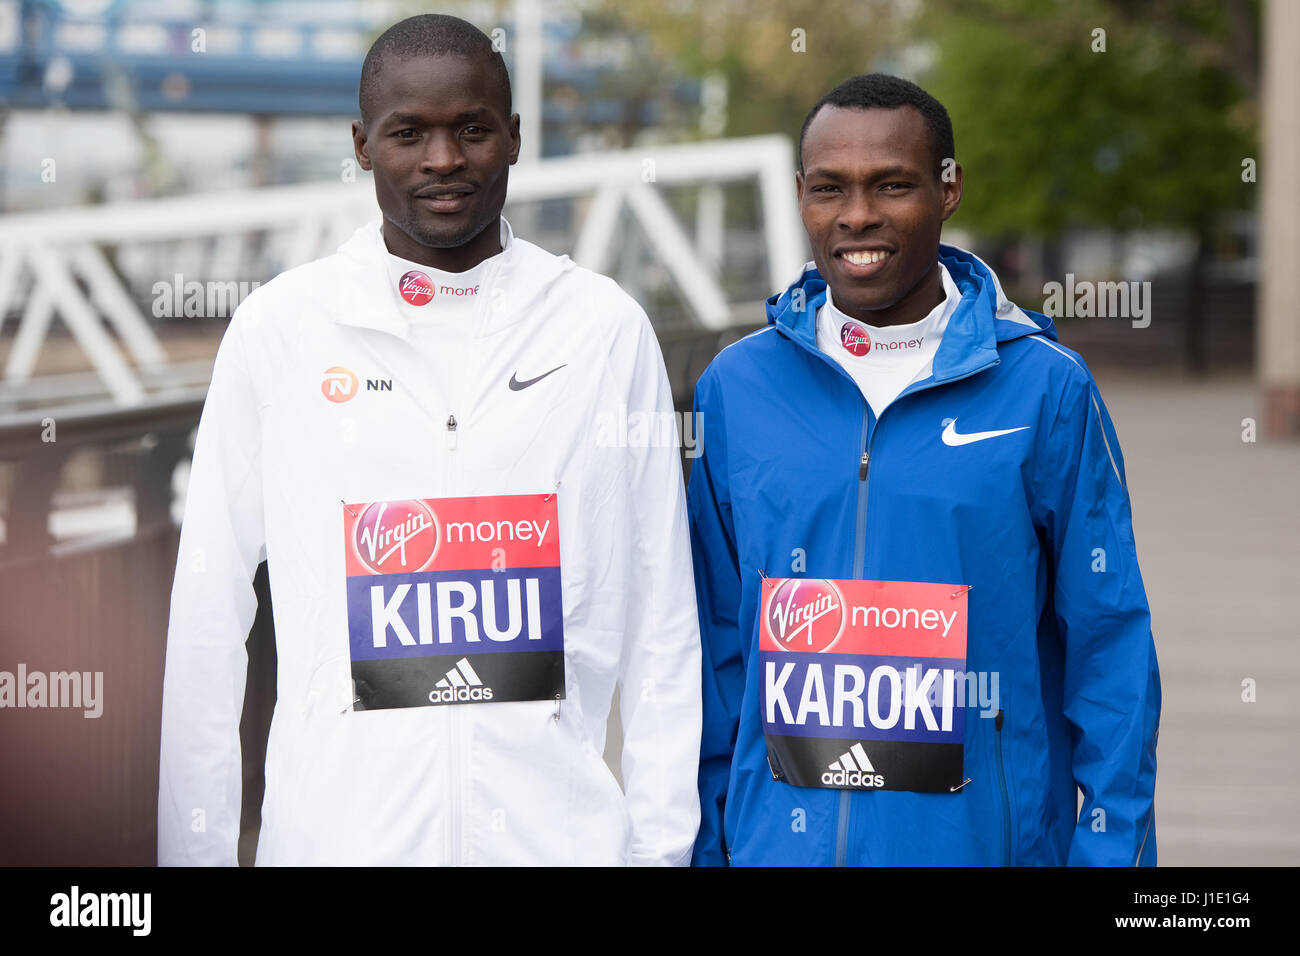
(241,60)
(261,58)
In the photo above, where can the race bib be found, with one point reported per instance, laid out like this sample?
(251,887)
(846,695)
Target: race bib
(454,600)
(861,682)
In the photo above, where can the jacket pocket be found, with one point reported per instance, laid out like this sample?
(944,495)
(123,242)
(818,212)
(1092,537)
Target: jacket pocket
(326,696)
(600,825)
(1004,793)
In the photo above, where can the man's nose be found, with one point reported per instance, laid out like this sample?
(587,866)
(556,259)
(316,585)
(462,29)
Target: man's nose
(859,212)
(442,155)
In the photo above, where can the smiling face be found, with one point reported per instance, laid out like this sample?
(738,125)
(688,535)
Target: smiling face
(440,146)
(873,203)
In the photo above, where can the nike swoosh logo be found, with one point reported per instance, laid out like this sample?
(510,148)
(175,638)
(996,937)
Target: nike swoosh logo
(516,385)
(950,436)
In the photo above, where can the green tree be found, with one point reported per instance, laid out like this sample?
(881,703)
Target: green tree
(1052,130)
(1124,114)
(777,56)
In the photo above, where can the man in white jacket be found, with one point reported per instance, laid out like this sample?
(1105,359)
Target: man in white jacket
(415,434)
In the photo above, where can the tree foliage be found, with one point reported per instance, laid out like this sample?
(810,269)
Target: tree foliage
(1051,131)
(777,56)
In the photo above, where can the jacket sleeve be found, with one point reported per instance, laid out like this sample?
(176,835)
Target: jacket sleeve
(659,701)
(1112,683)
(717,588)
(212,609)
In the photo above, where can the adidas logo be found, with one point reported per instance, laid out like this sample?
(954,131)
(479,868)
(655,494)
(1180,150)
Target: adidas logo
(853,769)
(460,684)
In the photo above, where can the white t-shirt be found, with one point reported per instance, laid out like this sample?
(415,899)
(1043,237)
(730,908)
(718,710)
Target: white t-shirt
(440,307)
(885,360)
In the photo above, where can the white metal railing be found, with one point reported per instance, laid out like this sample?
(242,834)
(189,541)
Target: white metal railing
(45,252)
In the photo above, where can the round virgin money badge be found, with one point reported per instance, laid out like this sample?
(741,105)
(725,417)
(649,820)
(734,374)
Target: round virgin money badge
(415,287)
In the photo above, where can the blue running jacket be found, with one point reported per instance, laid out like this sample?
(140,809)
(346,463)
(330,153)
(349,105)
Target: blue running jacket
(799,479)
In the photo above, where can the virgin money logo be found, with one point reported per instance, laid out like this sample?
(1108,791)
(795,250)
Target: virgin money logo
(395,537)
(805,615)
(855,338)
(415,287)
(339,385)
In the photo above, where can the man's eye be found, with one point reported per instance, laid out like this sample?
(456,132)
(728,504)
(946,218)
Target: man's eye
(824,189)
(897,186)
(475,130)
(401,133)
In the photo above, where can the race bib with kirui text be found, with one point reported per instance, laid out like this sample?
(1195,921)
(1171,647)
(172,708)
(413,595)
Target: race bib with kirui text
(454,600)
(861,683)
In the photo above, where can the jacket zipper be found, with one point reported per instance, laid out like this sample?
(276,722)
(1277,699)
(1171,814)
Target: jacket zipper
(455,719)
(1006,800)
(454,731)
(456,776)
(860,548)
(859,558)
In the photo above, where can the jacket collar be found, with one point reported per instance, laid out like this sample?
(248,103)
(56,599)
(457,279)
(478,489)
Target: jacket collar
(515,278)
(983,318)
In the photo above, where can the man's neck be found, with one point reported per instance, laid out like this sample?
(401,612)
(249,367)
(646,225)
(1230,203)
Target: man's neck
(912,307)
(454,259)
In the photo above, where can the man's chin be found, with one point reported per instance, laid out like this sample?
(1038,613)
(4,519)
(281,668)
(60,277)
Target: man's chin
(452,233)
(861,307)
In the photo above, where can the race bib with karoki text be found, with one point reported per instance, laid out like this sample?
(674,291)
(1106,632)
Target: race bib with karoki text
(861,683)
(454,600)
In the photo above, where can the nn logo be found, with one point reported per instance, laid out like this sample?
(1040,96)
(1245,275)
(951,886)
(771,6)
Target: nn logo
(340,384)
(853,769)
(461,684)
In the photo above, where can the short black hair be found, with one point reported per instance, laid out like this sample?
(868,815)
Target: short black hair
(429,34)
(882,91)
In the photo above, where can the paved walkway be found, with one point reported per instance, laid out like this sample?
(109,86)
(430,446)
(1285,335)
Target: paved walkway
(1217,523)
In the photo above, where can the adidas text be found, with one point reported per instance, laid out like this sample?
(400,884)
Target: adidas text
(455,695)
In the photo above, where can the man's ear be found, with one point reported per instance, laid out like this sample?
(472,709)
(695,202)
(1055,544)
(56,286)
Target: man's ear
(798,186)
(950,182)
(360,144)
(514,138)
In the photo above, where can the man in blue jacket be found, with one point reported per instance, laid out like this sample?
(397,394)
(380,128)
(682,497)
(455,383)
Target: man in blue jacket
(925,630)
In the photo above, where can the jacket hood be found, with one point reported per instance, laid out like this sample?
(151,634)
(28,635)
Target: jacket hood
(515,280)
(983,318)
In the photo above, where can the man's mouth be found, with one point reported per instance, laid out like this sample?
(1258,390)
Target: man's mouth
(863,263)
(446,193)
(446,199)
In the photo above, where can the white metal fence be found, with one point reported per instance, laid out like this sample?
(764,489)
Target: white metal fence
(47,257)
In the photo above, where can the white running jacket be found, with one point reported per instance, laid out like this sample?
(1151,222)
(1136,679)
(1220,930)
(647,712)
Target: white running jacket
(319,403)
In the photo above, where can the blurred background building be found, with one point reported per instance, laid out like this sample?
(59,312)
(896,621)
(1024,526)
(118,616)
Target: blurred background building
(158,160)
